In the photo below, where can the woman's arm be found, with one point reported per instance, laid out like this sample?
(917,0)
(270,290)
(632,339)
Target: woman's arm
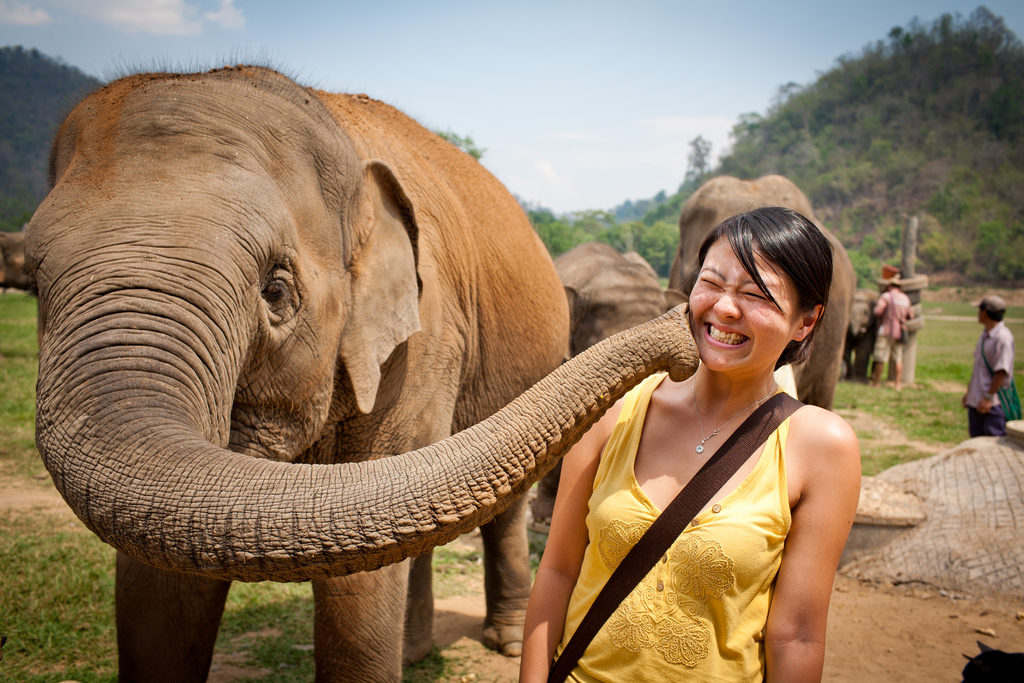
(563,553)
(823,465)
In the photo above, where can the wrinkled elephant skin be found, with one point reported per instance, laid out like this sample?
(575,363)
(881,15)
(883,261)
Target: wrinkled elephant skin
(608,292)
(725,196)
(251,292)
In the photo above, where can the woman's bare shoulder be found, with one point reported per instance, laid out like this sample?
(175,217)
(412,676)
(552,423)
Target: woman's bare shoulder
(823,425)
(821,435)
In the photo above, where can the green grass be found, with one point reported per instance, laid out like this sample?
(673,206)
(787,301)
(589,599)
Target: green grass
(929,413)
(19,361)
(452,567)
(57,595)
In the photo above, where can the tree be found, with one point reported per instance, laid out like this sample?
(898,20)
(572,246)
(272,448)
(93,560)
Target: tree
(699,161)
(466,143)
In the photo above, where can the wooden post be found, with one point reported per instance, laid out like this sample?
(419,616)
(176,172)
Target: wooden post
(909,248)
(912,285)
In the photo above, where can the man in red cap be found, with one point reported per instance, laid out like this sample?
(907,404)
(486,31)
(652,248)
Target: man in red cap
(993,368)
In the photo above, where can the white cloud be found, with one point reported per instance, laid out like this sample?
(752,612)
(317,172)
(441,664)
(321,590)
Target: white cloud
(634,161)
(575,136)
(682,129)
(227,16)
(155,17)
(22,14)
(533,179)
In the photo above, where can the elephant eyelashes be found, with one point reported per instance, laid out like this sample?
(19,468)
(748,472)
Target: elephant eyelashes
(278,292)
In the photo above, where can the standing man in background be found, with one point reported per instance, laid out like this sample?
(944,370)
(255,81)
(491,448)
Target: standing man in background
(993,368)
(892,310)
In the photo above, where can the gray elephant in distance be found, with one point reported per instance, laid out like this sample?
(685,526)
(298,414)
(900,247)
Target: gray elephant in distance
(251,293)
(725,196)
(12,261)
(608,292)
(861,335)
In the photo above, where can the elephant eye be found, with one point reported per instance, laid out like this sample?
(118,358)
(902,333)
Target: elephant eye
(274,291)
(279,294)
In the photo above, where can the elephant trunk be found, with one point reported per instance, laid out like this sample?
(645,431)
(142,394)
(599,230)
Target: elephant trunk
(141,465)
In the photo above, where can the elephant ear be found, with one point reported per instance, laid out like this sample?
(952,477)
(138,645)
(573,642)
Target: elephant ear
(673,297)
(384,280)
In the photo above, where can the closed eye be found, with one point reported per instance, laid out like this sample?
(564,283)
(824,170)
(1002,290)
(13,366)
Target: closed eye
(710,283)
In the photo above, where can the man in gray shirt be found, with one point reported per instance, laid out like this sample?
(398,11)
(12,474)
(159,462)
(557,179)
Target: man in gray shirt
(993,368)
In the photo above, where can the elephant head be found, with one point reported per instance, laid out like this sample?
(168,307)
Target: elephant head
(609,292)
(197,338)
(862,312)
(12,261)
(860,335)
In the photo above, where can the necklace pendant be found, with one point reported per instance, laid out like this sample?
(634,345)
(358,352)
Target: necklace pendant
(700,448)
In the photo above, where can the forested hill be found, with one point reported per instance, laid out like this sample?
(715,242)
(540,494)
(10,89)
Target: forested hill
(37,92)
(929,120)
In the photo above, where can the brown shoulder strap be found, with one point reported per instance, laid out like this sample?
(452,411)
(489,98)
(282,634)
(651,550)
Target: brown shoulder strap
(754,431)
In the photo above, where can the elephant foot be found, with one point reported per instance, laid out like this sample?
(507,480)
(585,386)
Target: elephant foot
(508,640)
(414,652)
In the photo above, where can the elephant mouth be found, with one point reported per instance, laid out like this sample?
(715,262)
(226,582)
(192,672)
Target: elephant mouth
(275,434)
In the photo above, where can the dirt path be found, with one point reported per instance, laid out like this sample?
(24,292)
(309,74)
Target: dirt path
(876,632)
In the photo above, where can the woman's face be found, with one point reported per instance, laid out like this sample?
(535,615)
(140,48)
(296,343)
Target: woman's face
(736,327)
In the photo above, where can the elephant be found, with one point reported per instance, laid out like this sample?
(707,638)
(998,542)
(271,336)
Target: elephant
(608,292)
(12,261)
(250,294)
(725,196)
(860,335)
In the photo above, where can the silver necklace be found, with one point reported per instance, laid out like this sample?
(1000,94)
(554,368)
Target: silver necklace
(700,446)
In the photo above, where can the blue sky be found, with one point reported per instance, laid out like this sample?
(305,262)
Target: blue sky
(579,105)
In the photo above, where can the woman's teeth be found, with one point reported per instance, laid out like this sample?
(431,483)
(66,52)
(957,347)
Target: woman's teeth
(725,337)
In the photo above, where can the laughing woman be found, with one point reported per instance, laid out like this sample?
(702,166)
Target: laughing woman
(743,592)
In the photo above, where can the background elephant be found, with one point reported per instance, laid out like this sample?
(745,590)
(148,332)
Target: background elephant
(608,292)
(243,282)
(860,335)
(12,261)
(725,196)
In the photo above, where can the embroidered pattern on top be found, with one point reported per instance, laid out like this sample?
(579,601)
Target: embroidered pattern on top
(668,618)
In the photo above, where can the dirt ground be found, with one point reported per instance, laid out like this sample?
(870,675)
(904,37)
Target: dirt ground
(875,633)
(906,633)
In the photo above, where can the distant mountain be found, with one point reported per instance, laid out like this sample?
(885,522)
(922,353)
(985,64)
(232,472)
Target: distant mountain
(928,121)
(37,92)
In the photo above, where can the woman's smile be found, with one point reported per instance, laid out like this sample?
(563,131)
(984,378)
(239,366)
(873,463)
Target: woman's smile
(723,337)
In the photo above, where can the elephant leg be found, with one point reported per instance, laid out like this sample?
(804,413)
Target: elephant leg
(419,610)
(166,622)
(358,624)
(862,366)
(507,579)
(543,503)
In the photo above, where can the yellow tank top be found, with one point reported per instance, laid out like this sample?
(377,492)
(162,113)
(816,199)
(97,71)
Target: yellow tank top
(700,612)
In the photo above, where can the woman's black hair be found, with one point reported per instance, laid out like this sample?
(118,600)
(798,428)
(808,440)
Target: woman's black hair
(790,242)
